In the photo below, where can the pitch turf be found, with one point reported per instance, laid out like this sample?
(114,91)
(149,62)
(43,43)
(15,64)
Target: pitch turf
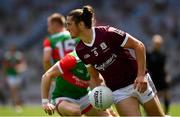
(26,111)
(37,111)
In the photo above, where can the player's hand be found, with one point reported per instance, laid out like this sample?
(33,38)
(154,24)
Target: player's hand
(111,112)
(48,108)
(140,84)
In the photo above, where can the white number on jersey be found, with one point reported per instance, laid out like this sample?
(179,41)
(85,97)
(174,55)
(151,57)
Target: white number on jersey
(95,53)
(65,46)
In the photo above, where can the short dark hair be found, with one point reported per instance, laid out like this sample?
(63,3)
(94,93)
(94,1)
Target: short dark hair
(86,14)
(57,17)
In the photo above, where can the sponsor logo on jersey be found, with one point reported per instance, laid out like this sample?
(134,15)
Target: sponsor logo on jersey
(149,93)
(86,56)
(80,71)
(107,63)
(79,82)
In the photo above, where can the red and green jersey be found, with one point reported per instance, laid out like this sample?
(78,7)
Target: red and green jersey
(10,61)
(60,44)
(75,78)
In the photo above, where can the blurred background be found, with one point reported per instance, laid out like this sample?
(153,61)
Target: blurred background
(24,23)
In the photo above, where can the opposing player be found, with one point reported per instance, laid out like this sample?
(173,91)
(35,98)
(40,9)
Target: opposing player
(104,50)
(14,64)
(70,93)
(58,43)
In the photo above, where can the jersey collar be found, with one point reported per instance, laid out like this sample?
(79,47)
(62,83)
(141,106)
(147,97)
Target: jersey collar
(93,39)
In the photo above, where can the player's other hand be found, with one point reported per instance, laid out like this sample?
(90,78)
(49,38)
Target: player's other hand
(48,108)
(140,84)
(111,113)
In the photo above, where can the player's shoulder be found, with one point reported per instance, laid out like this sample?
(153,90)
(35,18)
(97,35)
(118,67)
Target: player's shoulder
(61,34)
(72,55)
(105,28)
(102,28)
(64,34)
(7,55)
(108,29)
(70,59)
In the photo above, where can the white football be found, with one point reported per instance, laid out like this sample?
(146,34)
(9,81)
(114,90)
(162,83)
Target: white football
(101,97)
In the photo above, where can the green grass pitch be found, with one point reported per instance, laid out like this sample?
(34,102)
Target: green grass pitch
(37,111)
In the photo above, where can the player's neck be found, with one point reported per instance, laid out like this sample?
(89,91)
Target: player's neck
(58,31)
(62,29)
(87,36)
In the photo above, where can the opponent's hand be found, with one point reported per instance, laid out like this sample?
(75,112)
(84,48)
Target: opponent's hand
(140,84)
(48,108)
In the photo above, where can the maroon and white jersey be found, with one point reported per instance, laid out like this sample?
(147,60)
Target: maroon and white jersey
(106,54)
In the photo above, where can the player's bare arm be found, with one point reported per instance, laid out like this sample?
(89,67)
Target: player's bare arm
(46,59)
(45,87)
(140,82)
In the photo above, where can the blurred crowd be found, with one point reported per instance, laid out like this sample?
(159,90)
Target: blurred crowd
(23,23)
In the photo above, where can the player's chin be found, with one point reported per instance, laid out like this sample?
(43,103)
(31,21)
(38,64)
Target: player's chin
(73,36)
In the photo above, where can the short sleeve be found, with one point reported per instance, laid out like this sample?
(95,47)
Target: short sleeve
(67,63)
(118,36)
(46,44)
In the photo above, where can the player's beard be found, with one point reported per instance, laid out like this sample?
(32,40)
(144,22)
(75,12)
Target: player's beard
(76,34)
(73,36)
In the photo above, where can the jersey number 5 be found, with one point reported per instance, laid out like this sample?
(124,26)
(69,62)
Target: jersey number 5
(95,53)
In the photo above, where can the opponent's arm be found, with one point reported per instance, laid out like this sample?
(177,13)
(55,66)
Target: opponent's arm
(47,52)
(47,59)
(45,87)
(47,79)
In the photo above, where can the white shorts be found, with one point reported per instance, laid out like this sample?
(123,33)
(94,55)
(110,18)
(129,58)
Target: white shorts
(84,103)
(129,91)
(14,81)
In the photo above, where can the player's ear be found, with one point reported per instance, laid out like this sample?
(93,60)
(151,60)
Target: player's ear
(81,25)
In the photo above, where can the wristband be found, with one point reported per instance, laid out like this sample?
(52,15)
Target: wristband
(44,101)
